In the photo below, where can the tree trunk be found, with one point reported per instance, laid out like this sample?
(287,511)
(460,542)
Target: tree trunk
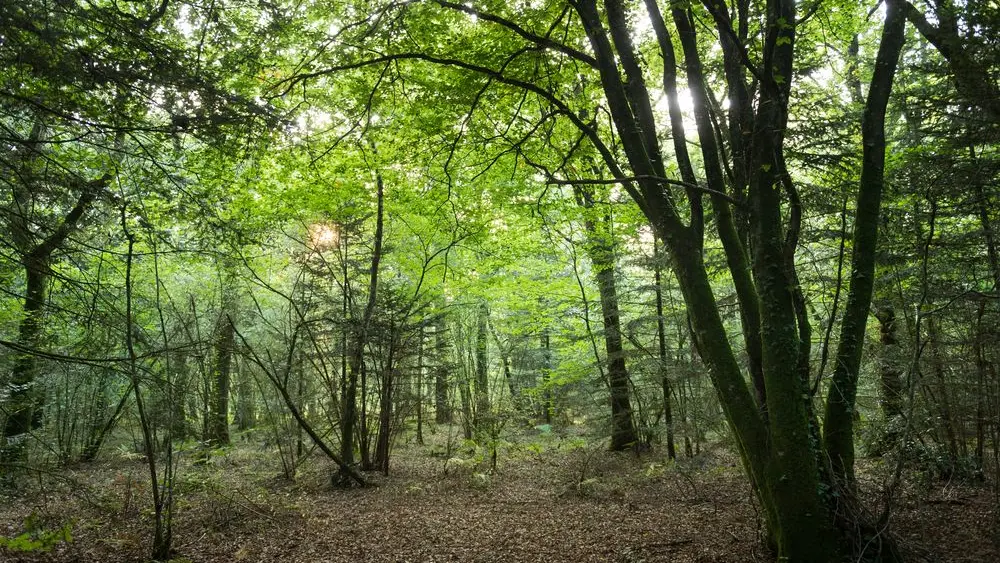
(364,435)
(442,406)
(246,411)
(24,406)
(890,372)
(982,377)
(548,405)
(481,383)
(466,361)
(838,428)
(600,249)
(420,385)
(218,424)
(661,337)
(349,413)
(385,408)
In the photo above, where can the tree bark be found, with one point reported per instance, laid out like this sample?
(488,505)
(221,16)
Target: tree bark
(218,427)
(548,405)
(385,407)
(890,374)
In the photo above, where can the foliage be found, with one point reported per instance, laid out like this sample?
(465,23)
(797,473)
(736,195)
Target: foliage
(36,537)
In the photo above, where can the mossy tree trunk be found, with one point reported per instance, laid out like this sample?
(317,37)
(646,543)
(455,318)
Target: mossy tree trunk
(24,405)
(838,429)
(774,426)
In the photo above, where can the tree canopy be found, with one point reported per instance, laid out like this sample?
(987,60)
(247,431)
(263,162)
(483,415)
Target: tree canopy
(763,223)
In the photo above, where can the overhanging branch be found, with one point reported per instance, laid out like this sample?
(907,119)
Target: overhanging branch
(646,177)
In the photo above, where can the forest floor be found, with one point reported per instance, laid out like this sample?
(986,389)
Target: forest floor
(564,503)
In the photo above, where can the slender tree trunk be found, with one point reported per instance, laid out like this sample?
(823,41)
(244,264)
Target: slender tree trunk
(364,435)
(481,383)
(838,429)
(162,531)
(420,385)
(982,377)
(442,406)
(302,399)
(600,249)
(548,405)
(385,407)
(350,408)
(661,337)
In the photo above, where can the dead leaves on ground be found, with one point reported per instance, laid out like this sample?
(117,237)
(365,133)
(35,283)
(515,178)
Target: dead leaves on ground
(593,506)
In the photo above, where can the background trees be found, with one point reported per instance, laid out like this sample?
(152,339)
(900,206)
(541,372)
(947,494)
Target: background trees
(329,222)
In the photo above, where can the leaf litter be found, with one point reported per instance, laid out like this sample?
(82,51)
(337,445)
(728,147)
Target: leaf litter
(583,506)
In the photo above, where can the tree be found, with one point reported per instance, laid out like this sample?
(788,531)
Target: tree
(601,250)
(752,197)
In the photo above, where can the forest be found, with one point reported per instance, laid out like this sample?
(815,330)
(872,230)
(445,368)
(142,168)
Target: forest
(500,280)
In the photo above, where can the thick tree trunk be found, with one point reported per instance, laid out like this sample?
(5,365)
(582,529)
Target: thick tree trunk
(24,406)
